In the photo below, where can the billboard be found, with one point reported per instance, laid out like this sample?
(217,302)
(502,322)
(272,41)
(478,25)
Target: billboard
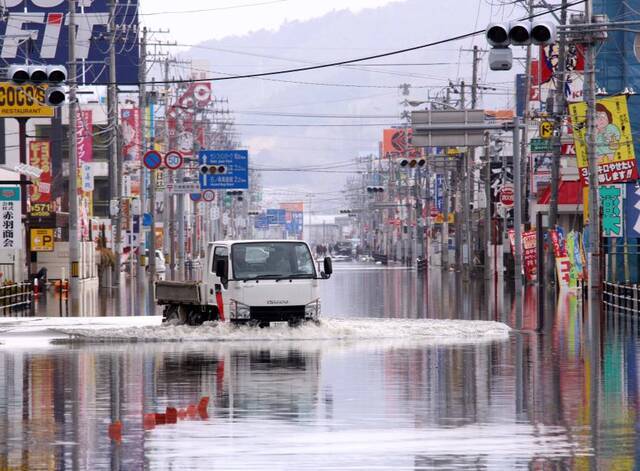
(543,73)
(46,22)
(396,142)
(183,131)
(614,141)
(40,190)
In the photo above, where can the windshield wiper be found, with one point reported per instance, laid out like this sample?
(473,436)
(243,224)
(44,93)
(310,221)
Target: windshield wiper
(295,276)
(263,277)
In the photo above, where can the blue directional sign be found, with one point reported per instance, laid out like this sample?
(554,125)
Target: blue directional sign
(276,216)
(224,169)
(439,187)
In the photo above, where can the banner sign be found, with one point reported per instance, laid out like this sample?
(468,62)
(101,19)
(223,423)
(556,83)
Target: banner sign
(529,252)
(46,23)
(11,217)
(40,190)
(25,101)
(614,141)
(611,199)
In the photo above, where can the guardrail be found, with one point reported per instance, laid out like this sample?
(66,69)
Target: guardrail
(621,297)
(16,297)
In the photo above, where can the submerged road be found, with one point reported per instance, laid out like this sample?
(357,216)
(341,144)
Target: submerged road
(331,397)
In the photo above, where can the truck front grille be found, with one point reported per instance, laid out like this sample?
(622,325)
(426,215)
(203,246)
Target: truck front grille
(276,313)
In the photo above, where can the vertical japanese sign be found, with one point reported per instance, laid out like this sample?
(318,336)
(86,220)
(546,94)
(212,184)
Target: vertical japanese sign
(529,252)
(84,132)
(11,216)
(611,199)
(614,142)
(632,210)
(40,190)
(131,149)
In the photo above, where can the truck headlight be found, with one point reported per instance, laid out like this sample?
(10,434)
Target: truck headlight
(312,309)
(238,310)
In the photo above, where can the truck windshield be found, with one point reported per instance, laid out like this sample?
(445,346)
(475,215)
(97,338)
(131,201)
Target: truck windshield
(262,260)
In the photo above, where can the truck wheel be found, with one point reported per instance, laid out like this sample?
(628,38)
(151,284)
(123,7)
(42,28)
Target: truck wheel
(175,313)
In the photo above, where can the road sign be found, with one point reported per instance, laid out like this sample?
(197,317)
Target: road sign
(546,129)
(195,197)
(421,121)
(152,159)
(507,193)
(25,101)
(146,219)
(208,195)
(183,187)
(42,240)
(173,160)
(236,169)
(540,145)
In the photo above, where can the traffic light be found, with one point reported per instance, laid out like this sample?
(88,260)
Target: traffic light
(213,169)
(516,33)
(52,75)
(375,189)
(521,33)
(412,162)
(238,193)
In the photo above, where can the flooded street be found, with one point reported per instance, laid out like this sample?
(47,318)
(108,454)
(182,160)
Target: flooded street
(352,393)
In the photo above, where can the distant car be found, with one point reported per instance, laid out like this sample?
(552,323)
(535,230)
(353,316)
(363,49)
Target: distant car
(341,258)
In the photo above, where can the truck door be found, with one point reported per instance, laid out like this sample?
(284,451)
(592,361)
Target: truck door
(220,254)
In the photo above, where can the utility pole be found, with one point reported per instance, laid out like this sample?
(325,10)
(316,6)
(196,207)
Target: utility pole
(487,213)
(517,220)
(593,261)
(524,142)
(559,111)
(142,105)
(74,247)
(470,166)
(115,164)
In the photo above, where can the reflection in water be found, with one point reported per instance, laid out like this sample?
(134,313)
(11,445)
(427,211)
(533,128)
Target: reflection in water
(535,401)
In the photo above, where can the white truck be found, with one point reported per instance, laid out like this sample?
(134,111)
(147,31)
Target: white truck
(249,282)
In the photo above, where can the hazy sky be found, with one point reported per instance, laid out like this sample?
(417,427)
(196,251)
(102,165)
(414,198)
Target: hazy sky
(194,21)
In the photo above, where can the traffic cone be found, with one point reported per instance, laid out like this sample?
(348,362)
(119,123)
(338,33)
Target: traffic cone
(191,411)
(172,415)
(182,414)
(149,421)
(115,431)
(161,419)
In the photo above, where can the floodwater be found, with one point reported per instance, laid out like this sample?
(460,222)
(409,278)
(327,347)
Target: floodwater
(533,399)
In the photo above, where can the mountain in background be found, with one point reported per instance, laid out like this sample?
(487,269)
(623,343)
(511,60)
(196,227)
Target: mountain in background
(370,93)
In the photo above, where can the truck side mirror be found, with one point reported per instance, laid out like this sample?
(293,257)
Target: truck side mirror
(328,267)
(221,269)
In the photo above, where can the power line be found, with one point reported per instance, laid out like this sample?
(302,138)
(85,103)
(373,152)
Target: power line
(343,62)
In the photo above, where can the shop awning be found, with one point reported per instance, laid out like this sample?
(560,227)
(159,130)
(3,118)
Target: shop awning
(569,193)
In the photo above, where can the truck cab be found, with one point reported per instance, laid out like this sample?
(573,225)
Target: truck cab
(252,282)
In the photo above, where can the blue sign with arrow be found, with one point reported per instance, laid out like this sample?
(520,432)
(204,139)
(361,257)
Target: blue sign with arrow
(224,169)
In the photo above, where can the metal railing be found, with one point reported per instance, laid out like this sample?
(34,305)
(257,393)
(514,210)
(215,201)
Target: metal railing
(623,297)
(16,297)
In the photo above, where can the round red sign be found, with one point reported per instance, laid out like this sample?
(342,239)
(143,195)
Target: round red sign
(507,194)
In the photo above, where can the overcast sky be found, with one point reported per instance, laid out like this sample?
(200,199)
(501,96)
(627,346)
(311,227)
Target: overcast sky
(194,21)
